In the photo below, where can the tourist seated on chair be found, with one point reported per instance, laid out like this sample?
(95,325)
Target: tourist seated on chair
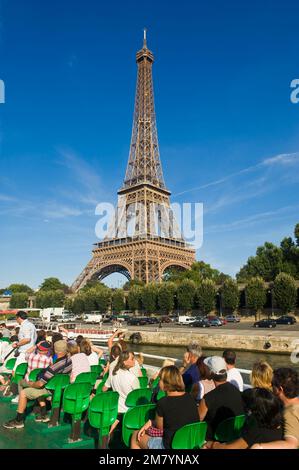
(174,411)
(260,377)
(286,387)
(191,372)
(114,355)
(92,352)
(264,424)
(38,357)
(233,375)
(7,352)
(36,390)
(80,363)
(225,401)
(123,381)
(206,384)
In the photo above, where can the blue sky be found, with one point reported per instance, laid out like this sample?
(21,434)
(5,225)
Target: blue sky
(228,132)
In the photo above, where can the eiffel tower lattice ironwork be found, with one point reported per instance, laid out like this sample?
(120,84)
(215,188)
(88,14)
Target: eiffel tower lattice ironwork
(143,240)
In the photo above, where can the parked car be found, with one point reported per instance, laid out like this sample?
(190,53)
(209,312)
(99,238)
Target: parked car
(286,320)
(223,320)
(265,324)
(166,319)
(201,323)
(215,322)
(134,321)
(152,320)
(233,318)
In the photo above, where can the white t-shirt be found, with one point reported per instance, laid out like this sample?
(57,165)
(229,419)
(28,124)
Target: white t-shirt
(27,331)
(80,364)
(235,378)
(93,358)
(123,382)
(135,369)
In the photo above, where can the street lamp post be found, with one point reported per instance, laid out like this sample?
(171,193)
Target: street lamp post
(220,303)
(271,295)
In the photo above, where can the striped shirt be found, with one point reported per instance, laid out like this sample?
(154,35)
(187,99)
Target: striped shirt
(37,361)
(63,365)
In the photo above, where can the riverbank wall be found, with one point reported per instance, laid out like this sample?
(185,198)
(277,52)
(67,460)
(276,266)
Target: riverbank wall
(240,342)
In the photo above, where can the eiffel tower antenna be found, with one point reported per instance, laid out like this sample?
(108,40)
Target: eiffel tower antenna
(144,38)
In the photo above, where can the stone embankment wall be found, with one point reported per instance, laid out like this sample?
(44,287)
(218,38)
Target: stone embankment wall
(239,342)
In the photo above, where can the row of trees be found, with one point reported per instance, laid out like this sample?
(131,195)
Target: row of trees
(167,296)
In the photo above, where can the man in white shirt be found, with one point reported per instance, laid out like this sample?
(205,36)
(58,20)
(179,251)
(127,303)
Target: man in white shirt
(27,336)
(233,375)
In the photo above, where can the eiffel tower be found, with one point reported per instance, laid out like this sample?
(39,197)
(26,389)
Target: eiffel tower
(143,240)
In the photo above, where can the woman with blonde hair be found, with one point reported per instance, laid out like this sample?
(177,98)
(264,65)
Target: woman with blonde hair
(80,362)
(174,411)
(260,377)
(92,352)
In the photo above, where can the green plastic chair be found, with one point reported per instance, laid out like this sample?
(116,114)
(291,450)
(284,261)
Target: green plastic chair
(95,372)
(33,374)
(140,396)
(76,399)
(102,362)
(102,413)
(134,419)
(161,394)
(5,340)
(19,373)
(102,383)
(11,363)
(143,382)
(191,436)
(144,372)
(230,429)
(84,377)
(56,385)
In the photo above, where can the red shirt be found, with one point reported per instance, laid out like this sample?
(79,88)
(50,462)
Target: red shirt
(37,361)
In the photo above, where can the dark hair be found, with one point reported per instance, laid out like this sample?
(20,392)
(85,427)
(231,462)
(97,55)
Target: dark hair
(204,371)
(3,324)
(219,377)
(79,339)
(14,338)
(229,356)
(266,408)
(115,352)
(288,380)
(56,337)
(1,335)
(17,329)
(21,314)
(41,336)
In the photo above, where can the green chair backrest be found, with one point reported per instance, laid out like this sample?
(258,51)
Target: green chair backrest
(155,382)
(134,419)
(76,399)
(10,363)
(57,384)
(5,340)
(191,436)
(161,394)
(103,410)
(84,377)
(95,372)
(140,396)
(230,429)
(20,372)
(143,382)
(144,372)
(102,383)
(102,362)
(33,374)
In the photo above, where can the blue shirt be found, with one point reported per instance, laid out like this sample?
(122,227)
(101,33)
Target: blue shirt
(191,376)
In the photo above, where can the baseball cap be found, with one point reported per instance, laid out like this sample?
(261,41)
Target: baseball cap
(60,346)
(216,364)
(43,346)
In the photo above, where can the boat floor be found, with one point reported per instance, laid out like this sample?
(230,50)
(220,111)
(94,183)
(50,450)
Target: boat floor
(37,436)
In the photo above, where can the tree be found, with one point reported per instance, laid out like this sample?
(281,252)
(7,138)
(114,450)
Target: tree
(206,294)
(103,299)
(255,295)
(166,294)
(149,297)
(285,292)
(199,270)
(78,304)
(185,294)
(53,283)
(50,298)
(19,300)
(68,304)
(296,233)
(16,288)
(266,264)
(230,296)
(133,282)
(118,300)
(134,298)
(90,300)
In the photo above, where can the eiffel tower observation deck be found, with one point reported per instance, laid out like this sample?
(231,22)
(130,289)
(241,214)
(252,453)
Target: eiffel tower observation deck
(143,239)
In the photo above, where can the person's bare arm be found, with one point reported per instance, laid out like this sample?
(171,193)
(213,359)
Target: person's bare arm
(97,350)
(202,409)
(110,340)
(195,390)
(288,443)
(238,444)
(159,422)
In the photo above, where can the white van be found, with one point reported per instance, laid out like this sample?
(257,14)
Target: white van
(185,320)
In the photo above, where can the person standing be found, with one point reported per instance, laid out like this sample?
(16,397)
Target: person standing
(27,336)
(233,375)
